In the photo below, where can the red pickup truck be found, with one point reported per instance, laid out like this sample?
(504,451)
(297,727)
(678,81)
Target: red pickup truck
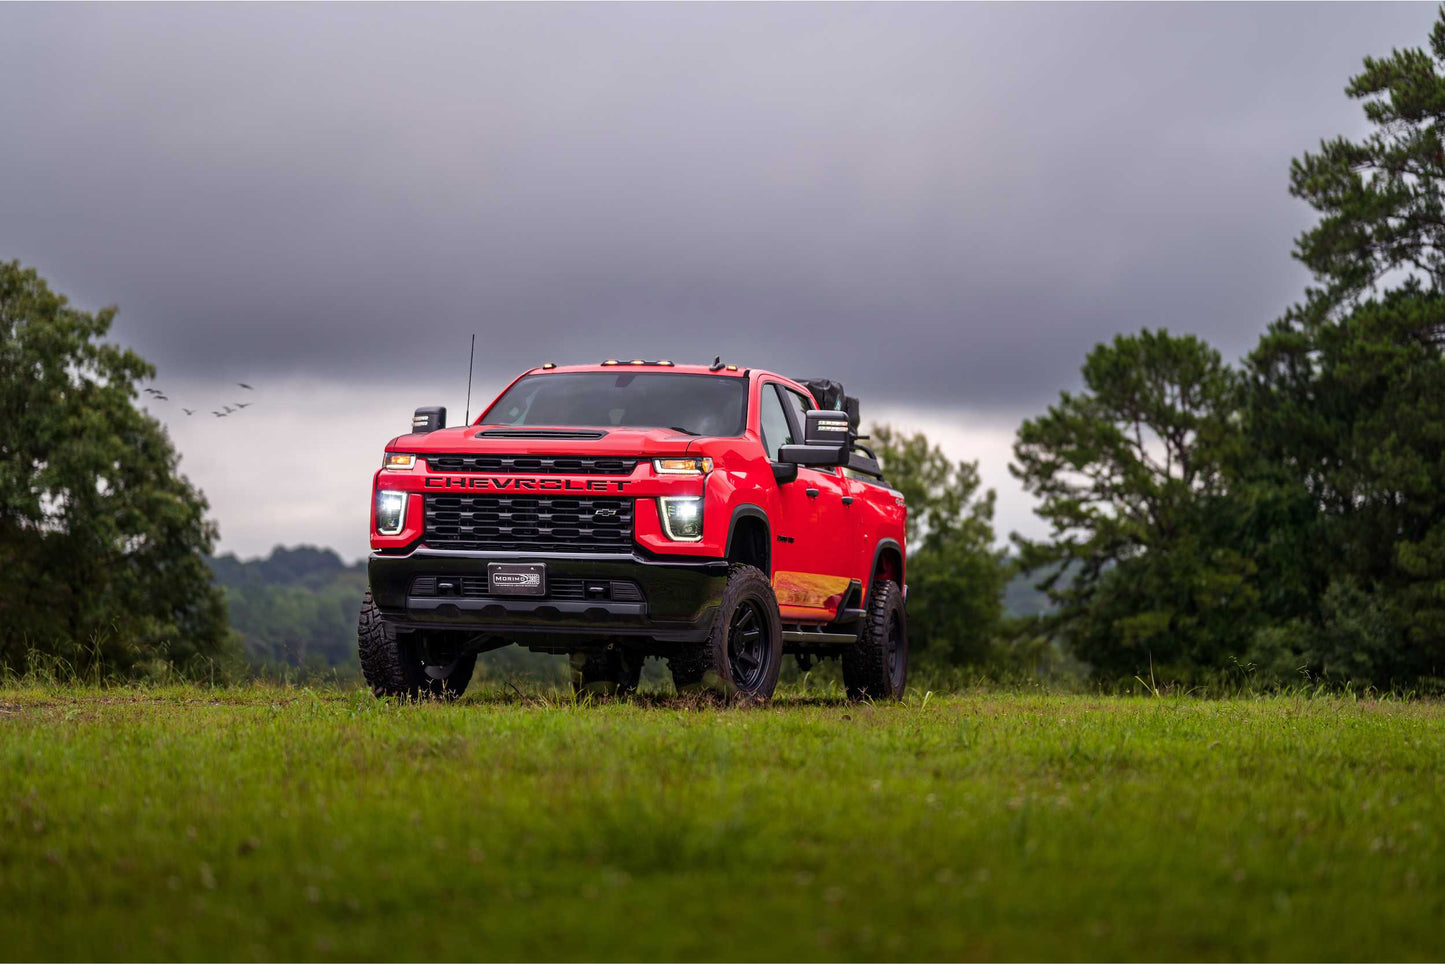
(717,517)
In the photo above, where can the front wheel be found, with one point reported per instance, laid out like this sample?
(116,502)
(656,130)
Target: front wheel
(744,649)
(876,667)
(393,665)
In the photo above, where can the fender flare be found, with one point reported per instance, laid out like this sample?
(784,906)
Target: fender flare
(750,511)
(883,546)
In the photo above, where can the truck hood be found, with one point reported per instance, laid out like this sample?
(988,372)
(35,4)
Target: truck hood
(542,440)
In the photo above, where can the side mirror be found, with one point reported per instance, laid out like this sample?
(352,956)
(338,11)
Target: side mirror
(828,428)
(785,472)
(826,441)
(428,419)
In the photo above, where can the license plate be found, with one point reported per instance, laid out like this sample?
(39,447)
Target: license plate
(517,579)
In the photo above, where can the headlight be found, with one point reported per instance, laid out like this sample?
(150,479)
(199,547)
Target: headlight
(682,466)
(682,518)
(395,460)
(390,512)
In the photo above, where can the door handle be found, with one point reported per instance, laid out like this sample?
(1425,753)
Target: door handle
(812,493)
(847,500)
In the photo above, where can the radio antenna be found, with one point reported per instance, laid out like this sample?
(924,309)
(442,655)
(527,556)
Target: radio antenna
(471,357)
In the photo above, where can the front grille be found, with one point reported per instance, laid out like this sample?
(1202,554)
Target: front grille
(528,523)
(558,587)
(532,464)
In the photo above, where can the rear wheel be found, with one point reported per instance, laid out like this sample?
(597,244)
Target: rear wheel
(744,649)
(393,662)
(876,667)
(610,672)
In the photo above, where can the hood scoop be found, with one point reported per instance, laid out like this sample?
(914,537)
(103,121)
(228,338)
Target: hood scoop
(539,433)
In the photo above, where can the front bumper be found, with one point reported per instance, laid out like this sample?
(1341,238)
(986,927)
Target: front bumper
(679,598)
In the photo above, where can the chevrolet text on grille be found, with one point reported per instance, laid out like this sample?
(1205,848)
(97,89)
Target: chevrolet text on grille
(527,485)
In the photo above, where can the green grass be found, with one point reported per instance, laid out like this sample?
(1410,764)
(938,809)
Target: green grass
(264,822)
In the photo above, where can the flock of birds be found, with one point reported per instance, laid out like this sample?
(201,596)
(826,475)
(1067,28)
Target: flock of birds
(157,395)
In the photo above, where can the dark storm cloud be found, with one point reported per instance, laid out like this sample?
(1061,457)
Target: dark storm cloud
(942,205)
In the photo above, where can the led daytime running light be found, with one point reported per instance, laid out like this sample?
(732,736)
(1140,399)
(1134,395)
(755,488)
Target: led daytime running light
(390,512)
(681,517)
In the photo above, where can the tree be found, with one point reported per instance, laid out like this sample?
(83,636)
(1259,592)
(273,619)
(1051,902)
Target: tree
(1132,476)
(1346,424)
(1346,397)
(955,575)
(102,542)
(1380,199)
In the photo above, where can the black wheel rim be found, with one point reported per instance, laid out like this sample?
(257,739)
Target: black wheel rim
(749,646)
(896,657)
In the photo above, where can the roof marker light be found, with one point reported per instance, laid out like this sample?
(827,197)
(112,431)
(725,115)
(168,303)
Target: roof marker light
(546,366)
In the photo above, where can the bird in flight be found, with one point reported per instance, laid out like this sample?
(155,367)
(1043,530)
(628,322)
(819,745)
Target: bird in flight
(151,391)
(161,398)
(244,404)
(188,411)
(245,386)
(219,414)
(228,409)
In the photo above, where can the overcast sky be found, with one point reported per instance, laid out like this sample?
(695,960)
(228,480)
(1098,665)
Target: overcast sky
(942,206)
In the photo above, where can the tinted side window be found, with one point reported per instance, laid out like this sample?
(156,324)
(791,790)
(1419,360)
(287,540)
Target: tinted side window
(774,421)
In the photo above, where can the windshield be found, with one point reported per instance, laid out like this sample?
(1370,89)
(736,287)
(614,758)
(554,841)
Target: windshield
(697,404)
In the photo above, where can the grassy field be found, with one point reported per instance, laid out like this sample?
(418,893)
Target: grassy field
(280,823)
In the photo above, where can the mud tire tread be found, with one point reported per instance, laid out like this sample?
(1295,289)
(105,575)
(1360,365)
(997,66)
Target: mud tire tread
(865,663)
(702,668)
(391,665)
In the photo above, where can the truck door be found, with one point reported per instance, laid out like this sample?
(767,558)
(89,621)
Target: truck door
(813,538)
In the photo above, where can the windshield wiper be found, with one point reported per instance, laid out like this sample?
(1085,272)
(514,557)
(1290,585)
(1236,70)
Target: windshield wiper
(679,428)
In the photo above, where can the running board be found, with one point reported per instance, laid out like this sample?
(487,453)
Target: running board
(815,638)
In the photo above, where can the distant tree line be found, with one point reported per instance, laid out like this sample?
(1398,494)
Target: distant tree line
(294,609)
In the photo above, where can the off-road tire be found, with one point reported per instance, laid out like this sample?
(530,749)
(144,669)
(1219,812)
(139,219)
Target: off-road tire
(707,668)
(868,672)
(610,672)
(392,664)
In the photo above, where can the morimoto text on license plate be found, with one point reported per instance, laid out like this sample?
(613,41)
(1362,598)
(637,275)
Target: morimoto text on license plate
(517,579)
